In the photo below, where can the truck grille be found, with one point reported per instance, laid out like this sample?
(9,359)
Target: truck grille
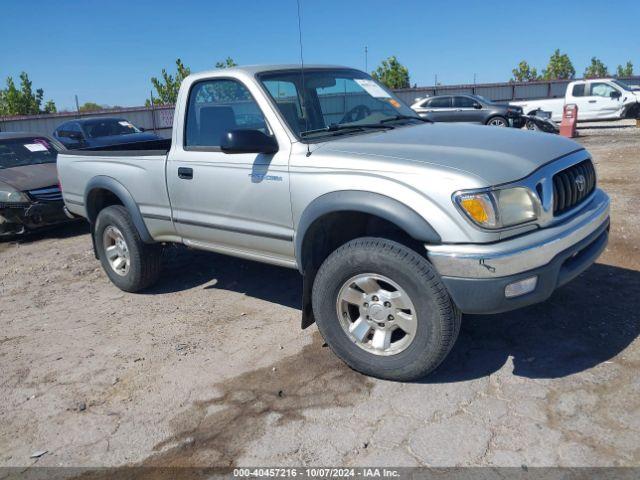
(572,186)
(47,194)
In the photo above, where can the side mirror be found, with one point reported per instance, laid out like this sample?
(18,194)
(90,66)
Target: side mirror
(248,141)
(477,106)
(615,94)
(142,129)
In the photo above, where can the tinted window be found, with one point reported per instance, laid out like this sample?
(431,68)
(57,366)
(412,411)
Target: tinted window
(578,90)
(601,89)
(107,127)
(440,102)
(463,102)
(217,107)
(18,152)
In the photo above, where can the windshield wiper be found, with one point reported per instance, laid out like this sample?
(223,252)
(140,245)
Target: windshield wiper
(405,117)
(335,127)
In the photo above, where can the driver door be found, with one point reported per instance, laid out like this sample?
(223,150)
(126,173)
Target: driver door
(233,203)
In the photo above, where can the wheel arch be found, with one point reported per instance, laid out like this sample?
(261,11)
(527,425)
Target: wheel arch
(102,191)
(375,204)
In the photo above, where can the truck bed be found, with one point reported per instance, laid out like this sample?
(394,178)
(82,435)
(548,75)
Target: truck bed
(132,149)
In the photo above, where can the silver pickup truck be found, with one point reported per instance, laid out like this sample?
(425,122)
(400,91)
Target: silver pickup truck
(397,225)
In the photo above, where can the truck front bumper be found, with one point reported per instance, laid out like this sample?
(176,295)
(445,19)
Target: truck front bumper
(477,275)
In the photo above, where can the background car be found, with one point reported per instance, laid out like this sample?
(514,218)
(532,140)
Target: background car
(468,108)
(100,132)
(29,193)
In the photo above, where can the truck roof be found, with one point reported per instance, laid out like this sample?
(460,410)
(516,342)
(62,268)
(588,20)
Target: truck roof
(254,69)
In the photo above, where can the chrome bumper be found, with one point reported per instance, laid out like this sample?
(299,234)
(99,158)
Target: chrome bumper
(527,252)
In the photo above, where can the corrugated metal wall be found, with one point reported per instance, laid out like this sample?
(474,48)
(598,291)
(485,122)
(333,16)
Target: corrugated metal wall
(160,119)
(502,92)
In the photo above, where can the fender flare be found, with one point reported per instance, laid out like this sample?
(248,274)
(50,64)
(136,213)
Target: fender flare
(112,185)
(365,202)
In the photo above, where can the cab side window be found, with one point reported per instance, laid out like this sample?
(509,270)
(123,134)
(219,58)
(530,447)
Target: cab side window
(599,89)
(219,106)
(578,90)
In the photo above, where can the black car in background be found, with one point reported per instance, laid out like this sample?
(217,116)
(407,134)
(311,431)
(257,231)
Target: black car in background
(469,108)
(30,197)
(100,132)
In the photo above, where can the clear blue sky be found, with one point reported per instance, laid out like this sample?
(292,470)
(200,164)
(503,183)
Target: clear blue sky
(106,51)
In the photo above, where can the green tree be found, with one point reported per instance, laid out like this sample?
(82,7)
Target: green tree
(597,69)
(90,107)
(559,67)
(525,73)
(168,85)
(625,71)
(23,100)
(228,63)
(392,73)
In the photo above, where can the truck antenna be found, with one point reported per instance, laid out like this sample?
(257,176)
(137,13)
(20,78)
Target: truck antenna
(304,90)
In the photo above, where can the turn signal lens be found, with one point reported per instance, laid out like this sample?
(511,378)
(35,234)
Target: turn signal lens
(479,207)
(475,208)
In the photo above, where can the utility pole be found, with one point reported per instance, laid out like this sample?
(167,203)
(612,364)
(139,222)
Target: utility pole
(77,106)
(366,59)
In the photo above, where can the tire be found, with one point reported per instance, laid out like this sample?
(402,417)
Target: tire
(437,320)
(143,261)
(497,121)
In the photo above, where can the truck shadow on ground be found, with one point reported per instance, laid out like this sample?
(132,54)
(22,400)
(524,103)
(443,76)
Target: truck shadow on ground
(585,323)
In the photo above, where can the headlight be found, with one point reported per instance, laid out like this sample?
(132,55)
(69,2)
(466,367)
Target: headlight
(498,208)
(13,197)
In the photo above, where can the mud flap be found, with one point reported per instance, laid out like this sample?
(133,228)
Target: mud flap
(92,227)
(307,308)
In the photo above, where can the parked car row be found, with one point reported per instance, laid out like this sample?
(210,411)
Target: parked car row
(597,99)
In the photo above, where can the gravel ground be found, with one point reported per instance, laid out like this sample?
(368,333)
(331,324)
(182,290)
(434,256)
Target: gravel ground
(210,367)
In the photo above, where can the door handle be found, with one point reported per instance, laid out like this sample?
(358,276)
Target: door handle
(185,172)
(592,101)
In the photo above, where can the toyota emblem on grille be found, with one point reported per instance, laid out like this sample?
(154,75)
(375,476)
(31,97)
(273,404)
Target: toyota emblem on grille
(580,182)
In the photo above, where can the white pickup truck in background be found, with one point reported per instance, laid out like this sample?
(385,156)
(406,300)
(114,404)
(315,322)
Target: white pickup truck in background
(597,99)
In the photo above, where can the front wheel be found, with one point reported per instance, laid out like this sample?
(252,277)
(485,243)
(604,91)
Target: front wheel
(498,122)
(383,310)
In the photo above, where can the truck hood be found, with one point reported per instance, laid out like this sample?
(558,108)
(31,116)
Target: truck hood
(30,177)
(495,155)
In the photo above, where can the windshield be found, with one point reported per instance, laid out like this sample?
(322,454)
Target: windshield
(18,152)
(108,127)
(623,85)
(334,98)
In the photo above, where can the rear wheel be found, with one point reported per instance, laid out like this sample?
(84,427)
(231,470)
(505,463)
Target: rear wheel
(498,122)
(383,310)
(130,264)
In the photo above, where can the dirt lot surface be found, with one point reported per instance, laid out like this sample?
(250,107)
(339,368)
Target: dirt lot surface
(210,367)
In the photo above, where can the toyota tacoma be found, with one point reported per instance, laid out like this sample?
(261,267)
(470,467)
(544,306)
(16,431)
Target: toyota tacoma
(397,225)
